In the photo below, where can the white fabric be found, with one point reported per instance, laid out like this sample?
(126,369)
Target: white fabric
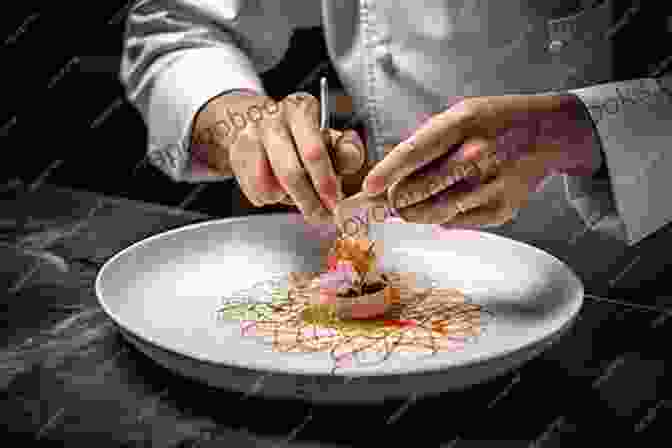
(402,62)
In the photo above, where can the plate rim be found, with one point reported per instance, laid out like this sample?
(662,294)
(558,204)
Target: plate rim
(580,294)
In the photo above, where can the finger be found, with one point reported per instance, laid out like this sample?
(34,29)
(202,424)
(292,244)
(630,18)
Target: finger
(245,158)
(506,110)
(443,207)
(348,156)
(303,114)
(491,215)
(444,172)
(287,200)
(289,170)
(252,158)
(349,151)
(433,139)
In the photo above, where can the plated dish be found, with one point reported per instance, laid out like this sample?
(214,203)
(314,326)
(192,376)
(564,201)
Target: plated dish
(353,310)
(491,303)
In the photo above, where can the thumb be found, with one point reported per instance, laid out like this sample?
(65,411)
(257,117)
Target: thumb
(347,151)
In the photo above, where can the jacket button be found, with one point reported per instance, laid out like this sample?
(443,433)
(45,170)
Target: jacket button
(556,45)
(384,58)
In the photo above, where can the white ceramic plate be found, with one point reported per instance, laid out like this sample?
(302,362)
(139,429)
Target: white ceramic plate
(164,292)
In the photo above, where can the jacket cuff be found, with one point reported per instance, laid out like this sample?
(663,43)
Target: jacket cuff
(194,78)
(632,120)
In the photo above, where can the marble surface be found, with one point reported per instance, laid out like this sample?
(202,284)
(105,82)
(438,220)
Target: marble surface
(68,377)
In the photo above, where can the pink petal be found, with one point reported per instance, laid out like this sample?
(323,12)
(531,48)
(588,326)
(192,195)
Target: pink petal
(247,327)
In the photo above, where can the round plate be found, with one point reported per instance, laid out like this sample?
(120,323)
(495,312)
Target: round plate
(164,293)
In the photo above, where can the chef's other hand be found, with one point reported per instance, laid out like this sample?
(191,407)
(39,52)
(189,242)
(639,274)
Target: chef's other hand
(277,152)
(477,163)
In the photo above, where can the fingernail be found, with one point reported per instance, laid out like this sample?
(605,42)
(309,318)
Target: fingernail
(330,202)
(373,185)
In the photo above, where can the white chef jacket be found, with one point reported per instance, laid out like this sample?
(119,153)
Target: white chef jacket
(402,62)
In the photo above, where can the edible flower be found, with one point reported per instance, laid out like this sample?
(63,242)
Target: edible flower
(342,274)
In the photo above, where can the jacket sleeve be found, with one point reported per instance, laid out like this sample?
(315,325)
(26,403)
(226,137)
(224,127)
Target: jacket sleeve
(179,54)
(633,120)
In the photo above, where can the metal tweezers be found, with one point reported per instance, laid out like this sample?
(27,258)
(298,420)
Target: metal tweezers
(325,120)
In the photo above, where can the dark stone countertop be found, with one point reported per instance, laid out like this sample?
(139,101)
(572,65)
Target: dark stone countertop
(68,378)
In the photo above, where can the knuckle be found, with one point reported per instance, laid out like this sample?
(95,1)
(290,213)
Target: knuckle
(470,105)
(302,105)
(270,106)
(470,111)
(303,99)
(255,114)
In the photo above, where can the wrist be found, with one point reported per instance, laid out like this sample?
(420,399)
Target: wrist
(215,128)
(571,129)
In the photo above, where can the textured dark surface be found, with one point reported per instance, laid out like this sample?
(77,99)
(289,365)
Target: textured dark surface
(68,378)
(66,374)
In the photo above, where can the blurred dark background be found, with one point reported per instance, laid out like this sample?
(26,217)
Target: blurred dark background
(64,118)
(64,121)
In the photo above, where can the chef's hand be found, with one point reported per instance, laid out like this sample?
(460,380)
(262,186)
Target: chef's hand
(487,154)
(277,152)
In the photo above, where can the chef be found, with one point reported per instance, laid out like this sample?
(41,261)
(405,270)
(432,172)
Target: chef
(468,107)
